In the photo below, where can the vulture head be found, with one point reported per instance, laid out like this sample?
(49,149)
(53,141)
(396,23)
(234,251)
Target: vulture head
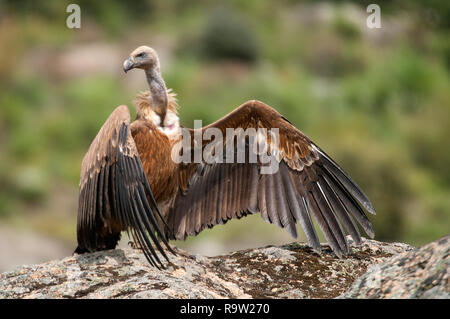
(144,58)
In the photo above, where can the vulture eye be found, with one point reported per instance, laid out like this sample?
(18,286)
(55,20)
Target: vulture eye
(140,55)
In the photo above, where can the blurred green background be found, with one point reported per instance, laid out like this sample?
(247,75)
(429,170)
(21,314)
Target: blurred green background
(377,100)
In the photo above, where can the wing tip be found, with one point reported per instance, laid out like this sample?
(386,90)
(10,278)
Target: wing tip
(369,207)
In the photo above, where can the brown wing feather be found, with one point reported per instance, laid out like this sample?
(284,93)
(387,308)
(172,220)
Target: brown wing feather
(307,183)
(114,192)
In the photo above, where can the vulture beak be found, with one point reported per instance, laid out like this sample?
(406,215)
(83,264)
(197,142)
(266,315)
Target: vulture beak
(128,64)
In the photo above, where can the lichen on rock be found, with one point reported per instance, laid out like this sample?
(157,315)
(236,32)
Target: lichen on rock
(421,273)
(288,271)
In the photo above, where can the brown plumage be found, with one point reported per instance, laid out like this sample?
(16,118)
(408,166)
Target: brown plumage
(130,182)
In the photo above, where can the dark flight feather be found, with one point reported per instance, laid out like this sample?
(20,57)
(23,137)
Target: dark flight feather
(114,191)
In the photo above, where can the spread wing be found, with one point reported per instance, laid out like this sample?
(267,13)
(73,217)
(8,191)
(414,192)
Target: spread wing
(307,185)
(115,194)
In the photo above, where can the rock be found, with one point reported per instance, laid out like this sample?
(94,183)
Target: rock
(420,273)
(288,271)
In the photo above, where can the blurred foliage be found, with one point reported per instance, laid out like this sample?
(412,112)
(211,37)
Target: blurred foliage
(226,35)
(378,102)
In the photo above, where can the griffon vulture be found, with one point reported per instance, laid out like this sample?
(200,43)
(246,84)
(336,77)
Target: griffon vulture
(131,181)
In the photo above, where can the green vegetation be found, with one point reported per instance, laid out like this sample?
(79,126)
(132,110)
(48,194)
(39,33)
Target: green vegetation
(378,101)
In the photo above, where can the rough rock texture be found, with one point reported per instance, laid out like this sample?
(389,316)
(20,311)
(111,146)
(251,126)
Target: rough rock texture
(289,271)
(421,273)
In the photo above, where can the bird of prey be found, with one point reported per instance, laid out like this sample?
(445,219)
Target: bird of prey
(132,179)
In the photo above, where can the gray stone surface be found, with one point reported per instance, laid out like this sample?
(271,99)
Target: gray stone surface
(420,273)
(289,271)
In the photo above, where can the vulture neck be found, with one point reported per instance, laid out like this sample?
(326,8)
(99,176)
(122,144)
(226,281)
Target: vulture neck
(158,98)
